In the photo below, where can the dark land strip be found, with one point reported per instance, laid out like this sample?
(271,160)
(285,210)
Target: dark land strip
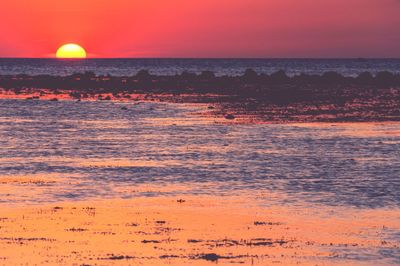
(329,97)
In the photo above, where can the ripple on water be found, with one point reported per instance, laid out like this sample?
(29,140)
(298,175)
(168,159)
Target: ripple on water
(100,149)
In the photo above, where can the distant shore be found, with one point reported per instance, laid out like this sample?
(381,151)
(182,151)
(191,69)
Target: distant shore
(330,97)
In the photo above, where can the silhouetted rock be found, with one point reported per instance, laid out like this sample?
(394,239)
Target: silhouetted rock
(250,75)
(229,116)
(188,75)
(332,77)
(330,95)
(75,95)
(385,78)
(279,76)
(365,78)
(305,79)
(207,75)
(89,75)
(143,75)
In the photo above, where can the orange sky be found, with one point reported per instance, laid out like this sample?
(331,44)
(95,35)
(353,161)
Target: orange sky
(202,28)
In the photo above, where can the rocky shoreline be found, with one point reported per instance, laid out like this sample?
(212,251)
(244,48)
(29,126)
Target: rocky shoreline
(330,97)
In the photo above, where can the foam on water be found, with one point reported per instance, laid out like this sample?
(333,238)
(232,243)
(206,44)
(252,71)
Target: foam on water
(232,67)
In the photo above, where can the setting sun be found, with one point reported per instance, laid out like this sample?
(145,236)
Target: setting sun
(71,50)
(200,132)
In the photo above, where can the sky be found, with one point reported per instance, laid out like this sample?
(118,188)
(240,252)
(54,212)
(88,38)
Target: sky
(202,28)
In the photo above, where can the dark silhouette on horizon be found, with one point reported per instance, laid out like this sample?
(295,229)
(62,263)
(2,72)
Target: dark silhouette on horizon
(332,96)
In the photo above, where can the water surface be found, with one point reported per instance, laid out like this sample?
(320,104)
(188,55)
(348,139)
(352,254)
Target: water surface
(232,67)
(66,150)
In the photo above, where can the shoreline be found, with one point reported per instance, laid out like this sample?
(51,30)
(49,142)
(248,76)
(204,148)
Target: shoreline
(223,109)
(251,97)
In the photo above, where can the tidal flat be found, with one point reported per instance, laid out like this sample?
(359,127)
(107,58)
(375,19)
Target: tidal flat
(196,231)
(161,183)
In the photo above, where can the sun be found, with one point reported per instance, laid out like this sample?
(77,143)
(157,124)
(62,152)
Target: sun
(71,50)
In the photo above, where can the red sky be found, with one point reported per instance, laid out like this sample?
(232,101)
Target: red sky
(202,28)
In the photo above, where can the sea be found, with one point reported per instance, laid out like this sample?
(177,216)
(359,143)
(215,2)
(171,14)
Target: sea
(100,145)
(54,152)
(221,67)
(90,148)
(67,150)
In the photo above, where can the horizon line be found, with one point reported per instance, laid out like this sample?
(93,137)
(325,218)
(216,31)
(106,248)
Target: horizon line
(210,58)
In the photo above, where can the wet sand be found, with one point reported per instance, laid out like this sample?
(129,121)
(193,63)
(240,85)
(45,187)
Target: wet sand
(196,231)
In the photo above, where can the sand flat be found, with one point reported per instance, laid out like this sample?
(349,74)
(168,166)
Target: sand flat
(195,231)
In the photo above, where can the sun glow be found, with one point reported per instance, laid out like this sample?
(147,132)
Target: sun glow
(71,50)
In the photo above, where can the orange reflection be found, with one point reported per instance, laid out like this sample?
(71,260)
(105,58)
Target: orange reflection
(195,230)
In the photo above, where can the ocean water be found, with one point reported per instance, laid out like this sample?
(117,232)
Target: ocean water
(66,150)
(334,189)
(126,67)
